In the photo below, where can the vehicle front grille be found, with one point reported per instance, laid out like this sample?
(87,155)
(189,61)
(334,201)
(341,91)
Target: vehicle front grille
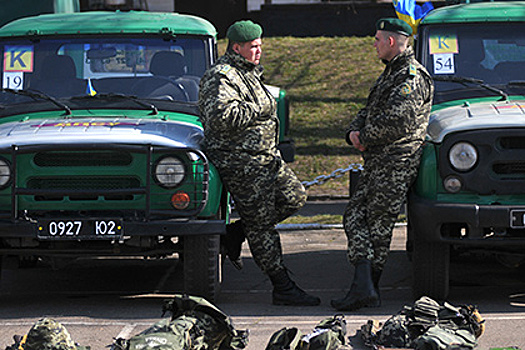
(84,183)
(108,178)
(95,158)
(516,142)
(500,168)
(517,167)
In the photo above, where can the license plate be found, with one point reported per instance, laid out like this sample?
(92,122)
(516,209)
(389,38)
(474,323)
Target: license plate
(73,229)
(517,218)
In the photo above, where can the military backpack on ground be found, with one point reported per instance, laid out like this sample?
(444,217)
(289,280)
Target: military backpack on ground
(427,325)
(195,324)
(329,334)
(46,334)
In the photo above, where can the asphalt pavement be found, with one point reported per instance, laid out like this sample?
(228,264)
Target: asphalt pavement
(325,206)
(98,300)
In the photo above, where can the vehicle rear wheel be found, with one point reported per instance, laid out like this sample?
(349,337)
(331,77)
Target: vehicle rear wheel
(202,266)
(430,266)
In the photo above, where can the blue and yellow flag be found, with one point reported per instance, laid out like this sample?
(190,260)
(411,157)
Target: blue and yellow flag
(90,90)
(410,12)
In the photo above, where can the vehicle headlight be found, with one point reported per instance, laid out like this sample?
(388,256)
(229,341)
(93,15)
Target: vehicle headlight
(463,156)
(5,173)
(169,172)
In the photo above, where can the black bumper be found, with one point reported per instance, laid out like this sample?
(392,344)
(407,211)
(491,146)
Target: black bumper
(484,225)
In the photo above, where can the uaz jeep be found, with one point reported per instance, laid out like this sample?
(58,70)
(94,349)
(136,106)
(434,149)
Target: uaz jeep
(470,191)
(100,141)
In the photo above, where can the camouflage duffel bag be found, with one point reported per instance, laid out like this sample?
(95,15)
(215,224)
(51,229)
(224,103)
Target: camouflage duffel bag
(46,334)
(430,323)
(439,338)
(163,335)
(195,324)
(329,334)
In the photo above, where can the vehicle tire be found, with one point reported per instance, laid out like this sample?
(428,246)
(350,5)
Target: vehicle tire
(430,266)
(202,266)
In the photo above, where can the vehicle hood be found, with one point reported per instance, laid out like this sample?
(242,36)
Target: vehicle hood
(475,116)
(101,130)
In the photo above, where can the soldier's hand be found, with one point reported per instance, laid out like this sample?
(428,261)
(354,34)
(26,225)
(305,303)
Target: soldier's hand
(354,138)
(267,110)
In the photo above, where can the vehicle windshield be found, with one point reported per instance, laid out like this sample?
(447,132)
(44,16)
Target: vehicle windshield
(491,53)
(149,68)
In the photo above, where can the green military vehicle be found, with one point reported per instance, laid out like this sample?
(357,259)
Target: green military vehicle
(100,141)
(470,191)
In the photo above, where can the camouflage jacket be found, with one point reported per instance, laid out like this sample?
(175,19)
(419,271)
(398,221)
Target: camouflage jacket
(395,117)
(237,111)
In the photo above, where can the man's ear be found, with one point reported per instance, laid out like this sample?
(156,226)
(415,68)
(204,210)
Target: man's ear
(235,47)
(391,41)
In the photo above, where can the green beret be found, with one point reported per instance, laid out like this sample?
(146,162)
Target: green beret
(395,25)
(244,31)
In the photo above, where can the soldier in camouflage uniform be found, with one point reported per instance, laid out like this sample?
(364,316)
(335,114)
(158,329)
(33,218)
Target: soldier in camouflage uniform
(389,131)
(240,139)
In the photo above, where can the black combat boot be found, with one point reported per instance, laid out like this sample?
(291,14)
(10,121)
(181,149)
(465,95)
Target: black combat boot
(232,243)
(362,292)
(286,292)
(376,276)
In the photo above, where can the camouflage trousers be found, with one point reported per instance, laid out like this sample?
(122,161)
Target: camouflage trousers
(372,211)
(265,191)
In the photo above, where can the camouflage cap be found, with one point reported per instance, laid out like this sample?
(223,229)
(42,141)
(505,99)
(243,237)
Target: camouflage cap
(395,25)
(244,31)
(48,334)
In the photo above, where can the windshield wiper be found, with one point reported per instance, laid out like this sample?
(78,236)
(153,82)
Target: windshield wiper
(110,96)
(516,82)
(35,95)
(478,82)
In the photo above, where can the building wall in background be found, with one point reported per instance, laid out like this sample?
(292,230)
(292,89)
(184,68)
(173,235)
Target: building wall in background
(255,5)
(11,9)
(322,19)
(161,5)
(302,18)
(222,13)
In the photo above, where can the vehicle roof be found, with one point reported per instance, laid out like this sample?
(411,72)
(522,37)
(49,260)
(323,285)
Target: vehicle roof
(106,22)
(494,11)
